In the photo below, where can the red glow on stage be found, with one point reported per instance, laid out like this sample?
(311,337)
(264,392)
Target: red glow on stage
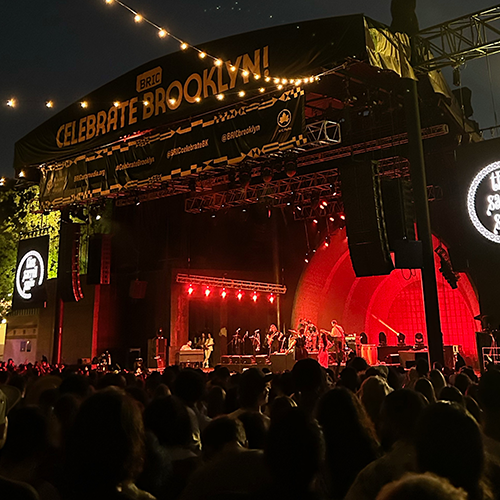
(190,290)
(207,292)
(223,294)
(329,289)
(271,298)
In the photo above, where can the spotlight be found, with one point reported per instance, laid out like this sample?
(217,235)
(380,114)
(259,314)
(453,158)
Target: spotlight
(244,178)
(98,217)
(239,295)
(291,167)
(267,174)
(332,219)
(342,216)
(207,292)
(327,241)
(271,298)
(137,201)
(315,221)
(255,296)
(223,294)
(190,290)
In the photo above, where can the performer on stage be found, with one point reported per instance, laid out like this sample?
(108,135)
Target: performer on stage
(273,339)
(338,336)
(187,346)
(299,345)
(255,338)
(324,346)
(209,347)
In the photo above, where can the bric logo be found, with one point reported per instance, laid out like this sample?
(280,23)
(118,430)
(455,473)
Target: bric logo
(483,202)
(30,274)
(149,79)
(284,118)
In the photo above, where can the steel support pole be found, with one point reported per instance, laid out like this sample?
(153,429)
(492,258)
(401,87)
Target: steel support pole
(419,184)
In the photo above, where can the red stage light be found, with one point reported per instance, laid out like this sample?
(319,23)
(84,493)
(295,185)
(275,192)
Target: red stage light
(315,221)
(190,289)
(223,294)
(240,295)
(331,219)
(207,292)
(271,298)
(342,216)
(255,297)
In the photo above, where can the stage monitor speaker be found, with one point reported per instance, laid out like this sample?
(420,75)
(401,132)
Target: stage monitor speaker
(99,260)
(68,271)
(225,360)
(366,231)
(281,362)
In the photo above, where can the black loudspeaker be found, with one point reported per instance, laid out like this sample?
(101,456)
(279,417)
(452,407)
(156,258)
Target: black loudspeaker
(68,272)
(366,232)
(99,260)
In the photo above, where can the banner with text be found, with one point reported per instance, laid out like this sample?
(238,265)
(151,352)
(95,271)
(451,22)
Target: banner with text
(219,139)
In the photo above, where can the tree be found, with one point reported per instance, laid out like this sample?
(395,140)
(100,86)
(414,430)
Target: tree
(21,218)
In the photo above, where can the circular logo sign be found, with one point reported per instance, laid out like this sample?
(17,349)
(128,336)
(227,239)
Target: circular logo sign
(284,118)
(30,274)
(483,202)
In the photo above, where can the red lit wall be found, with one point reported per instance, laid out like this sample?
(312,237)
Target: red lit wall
(329,289)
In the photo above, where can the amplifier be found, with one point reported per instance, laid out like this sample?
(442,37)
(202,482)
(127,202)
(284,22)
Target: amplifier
(225,360)
(281,362)
(261,359)
(247,360)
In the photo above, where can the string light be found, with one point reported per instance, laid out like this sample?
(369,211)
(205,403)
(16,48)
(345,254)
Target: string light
(220,97)
(162,33)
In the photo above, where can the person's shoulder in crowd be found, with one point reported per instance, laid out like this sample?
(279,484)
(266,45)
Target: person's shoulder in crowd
(15,490)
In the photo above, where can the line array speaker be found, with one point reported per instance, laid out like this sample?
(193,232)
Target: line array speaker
(366,231)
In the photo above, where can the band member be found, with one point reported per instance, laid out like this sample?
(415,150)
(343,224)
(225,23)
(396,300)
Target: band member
(299,345)
(273,339)
(187,346)
(255,338)
(338,336)
(209,347)
(324,346)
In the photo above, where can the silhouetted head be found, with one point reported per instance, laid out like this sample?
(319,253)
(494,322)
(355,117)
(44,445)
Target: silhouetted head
(448,442)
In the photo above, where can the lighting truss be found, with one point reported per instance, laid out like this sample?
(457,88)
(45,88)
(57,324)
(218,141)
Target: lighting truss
(210,281)
(455,42)
(280,192)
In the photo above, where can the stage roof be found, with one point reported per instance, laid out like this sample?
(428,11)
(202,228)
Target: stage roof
(180,115)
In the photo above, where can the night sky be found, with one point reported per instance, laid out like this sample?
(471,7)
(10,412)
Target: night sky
(60,50)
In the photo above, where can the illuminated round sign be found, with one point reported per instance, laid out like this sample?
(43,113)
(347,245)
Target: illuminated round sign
(30,274)
(483,202)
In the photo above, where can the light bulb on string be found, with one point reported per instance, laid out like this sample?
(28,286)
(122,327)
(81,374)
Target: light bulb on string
(49,104)
(241,93)
(202,55)
(84,104)
(184,46)
(162,33)
(11,103)
(137,18)
(218,62)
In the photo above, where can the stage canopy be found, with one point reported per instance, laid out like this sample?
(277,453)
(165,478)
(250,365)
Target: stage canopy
(182,115)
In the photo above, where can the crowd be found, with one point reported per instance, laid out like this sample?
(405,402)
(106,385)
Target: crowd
(365,433)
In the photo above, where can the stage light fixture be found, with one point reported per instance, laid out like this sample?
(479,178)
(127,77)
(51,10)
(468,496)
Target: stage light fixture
(271,298)
(315,221)
(207,292)
(332,219)
(291,167)
(190,290)
(342,216)
(327,241)
(255,297)
(267,174)
(223,294)
(239,295)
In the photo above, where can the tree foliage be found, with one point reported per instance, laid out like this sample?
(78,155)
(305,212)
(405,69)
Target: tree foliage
(20,218)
